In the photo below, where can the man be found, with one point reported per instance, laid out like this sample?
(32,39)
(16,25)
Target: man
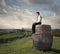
(39,21)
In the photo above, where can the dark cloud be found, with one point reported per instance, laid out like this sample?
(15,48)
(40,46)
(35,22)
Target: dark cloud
(7,6)
(52,5)
(3,7)
(42,1)
(56,9)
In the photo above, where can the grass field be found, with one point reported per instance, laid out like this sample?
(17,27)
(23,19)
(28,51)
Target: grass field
(24,46)
(11,35)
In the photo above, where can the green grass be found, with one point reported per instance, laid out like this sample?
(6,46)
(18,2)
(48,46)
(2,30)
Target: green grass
(24,46)
(11,35)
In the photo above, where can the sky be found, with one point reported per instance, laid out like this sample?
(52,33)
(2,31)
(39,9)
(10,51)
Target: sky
(17,14)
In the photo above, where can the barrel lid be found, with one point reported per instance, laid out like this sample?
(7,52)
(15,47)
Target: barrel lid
(43,26)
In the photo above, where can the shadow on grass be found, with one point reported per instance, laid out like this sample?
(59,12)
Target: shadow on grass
(51,50)
(55,50)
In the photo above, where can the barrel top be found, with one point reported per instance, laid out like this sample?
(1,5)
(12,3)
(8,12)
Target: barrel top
(43,26)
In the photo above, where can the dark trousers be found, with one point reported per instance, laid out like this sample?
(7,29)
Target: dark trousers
(33,26)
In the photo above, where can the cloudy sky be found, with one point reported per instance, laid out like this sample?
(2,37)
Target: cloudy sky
(17,14)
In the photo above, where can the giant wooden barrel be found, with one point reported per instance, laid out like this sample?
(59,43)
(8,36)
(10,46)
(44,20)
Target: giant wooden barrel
(42,38)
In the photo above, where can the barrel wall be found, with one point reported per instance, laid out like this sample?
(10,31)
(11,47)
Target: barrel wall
(42,38)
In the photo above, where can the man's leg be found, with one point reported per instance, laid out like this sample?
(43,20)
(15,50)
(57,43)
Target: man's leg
(33,26)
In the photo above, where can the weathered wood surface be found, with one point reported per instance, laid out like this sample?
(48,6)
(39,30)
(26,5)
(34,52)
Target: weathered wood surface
(42,38)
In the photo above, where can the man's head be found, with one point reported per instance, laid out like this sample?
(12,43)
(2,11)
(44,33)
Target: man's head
(38,13)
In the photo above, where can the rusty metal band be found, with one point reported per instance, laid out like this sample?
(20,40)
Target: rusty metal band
(43,33)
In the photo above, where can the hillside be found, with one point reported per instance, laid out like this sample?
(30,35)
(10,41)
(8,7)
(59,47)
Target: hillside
(25,46)
(56,32)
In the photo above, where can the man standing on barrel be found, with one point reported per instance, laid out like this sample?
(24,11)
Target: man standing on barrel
(39,21)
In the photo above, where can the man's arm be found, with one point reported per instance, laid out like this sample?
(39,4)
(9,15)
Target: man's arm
(40,18)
